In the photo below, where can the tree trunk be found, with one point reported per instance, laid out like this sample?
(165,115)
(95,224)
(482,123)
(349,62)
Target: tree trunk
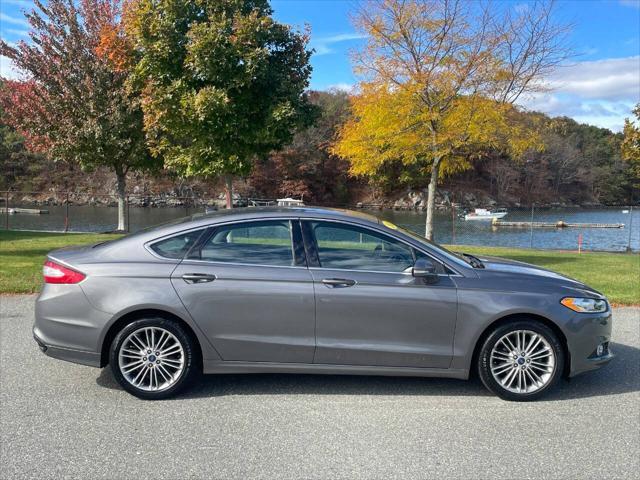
(228,190)
(431,198)
(121,188)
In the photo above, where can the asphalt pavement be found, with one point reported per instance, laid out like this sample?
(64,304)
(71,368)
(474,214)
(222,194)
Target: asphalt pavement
(63,420)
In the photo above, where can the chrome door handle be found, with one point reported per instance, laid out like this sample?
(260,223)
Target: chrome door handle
(198,277)
(338,282)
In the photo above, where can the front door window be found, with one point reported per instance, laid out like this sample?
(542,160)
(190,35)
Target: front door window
(348,247)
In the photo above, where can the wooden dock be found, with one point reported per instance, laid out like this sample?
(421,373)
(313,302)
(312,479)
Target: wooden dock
(558,224)
(28,211)
(369,206)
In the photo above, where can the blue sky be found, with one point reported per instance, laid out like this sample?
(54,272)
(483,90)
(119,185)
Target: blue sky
(599,86)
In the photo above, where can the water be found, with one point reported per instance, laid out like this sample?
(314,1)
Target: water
(86,218)
(447,231)
(461,232)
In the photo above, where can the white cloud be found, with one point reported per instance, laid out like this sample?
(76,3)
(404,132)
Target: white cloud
(613,78)
(7,69)
(600,92)
(342,37)
(322,45)
(343,87)
(4,18)
(15,31)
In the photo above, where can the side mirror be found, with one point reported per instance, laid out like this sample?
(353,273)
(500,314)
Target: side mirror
(425,268)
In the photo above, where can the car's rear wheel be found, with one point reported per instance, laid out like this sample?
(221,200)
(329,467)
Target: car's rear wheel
(521,360)
(153,358)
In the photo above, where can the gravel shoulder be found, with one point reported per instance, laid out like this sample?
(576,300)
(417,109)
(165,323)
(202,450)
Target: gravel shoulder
(63,420)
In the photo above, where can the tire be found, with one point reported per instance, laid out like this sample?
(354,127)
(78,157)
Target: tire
(148,375)
(534,374)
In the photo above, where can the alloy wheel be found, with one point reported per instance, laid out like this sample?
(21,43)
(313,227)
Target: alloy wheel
(522,361)
(151,359)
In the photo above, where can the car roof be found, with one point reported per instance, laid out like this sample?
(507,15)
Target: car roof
(128,247)
(226,215)
(249,213)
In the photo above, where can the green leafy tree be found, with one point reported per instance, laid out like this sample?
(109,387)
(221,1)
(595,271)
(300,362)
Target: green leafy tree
(222,81)
(74,103)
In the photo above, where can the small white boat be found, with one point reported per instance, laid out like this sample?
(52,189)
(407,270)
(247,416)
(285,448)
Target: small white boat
(289,202)
(625,211)
(484,214)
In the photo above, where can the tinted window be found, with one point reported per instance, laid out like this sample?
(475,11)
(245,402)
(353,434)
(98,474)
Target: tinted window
(353,248)
(176,246)
(257,243)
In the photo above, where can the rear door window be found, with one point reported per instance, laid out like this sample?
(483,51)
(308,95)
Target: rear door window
(252,243)
(177,246)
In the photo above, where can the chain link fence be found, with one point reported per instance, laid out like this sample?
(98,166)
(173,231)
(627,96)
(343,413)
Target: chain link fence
(90,212)
(613,228)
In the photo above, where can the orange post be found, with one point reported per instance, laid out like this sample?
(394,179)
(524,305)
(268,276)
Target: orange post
(579,243)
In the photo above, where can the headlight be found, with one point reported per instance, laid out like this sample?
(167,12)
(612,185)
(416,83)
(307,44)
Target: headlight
(585,305)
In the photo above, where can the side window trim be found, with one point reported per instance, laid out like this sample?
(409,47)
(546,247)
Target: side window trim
(200,243)
(311,247)
(299,254)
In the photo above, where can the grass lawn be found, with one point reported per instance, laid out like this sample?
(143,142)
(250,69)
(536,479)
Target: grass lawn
(617,275)
(22,255)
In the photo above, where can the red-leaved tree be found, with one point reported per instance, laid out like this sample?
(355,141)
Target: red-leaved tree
(73,102)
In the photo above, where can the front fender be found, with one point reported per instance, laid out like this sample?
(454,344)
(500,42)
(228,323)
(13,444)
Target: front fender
(479,309)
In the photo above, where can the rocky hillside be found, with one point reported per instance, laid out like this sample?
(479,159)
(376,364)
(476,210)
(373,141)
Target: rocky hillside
(580,165)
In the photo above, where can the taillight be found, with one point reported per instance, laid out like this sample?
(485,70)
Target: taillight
(56,273)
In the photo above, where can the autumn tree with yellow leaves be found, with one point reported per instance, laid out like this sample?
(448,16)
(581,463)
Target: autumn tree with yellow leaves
(631,141)
(439,77)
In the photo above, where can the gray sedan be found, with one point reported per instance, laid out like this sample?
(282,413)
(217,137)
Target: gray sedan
(305,290)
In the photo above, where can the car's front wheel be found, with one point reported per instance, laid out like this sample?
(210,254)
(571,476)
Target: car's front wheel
(153,358)
(521,360)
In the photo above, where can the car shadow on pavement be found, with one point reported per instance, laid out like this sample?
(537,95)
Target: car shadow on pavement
(622,375)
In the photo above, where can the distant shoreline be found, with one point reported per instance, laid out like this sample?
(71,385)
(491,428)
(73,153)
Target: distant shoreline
(172,202)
